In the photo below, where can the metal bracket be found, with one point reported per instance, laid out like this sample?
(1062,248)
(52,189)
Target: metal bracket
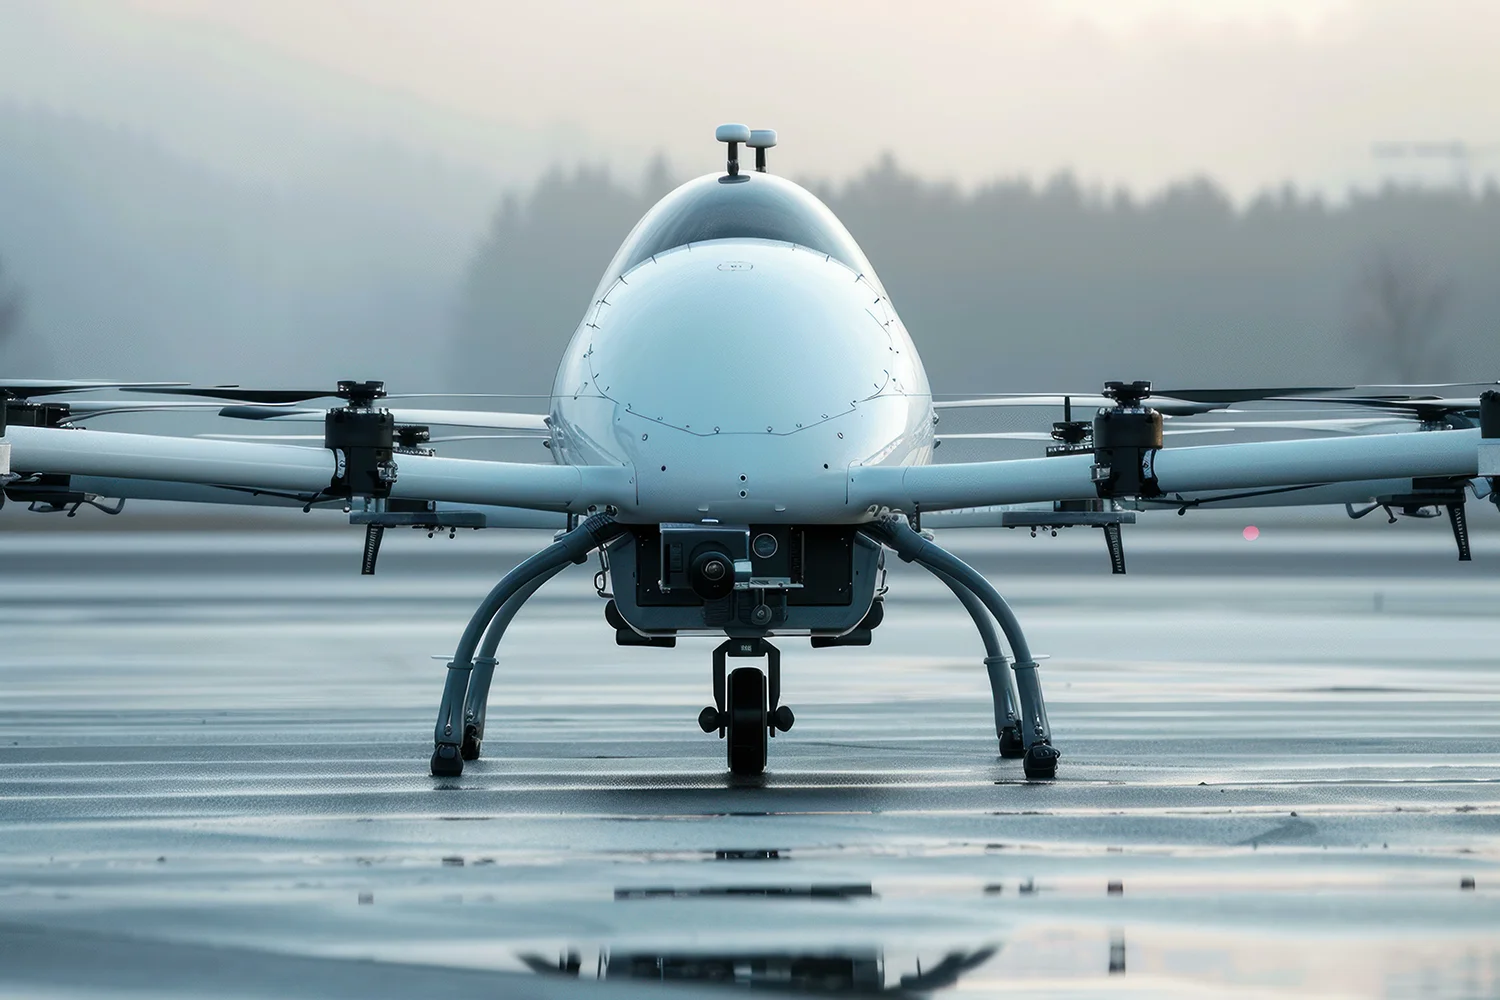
(748,648)
(1459,521)
(430,519)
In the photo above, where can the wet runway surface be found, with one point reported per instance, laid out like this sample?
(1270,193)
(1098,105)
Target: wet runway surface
(1284,755)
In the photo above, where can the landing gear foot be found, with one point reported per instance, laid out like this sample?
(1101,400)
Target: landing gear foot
(472,744)
(1011,745)
(447,762)
(1040,762)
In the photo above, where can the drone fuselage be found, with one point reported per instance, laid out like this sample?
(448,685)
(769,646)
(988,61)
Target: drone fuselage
(741,377)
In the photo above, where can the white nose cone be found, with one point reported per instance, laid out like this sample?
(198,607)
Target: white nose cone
(732,133)
(761,138)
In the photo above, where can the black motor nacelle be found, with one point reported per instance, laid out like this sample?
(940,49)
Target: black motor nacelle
(1125,437)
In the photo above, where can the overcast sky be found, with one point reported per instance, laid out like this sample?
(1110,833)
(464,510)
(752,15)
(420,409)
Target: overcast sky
(1253,92)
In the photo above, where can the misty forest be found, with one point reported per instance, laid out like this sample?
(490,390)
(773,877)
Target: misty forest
(119,259)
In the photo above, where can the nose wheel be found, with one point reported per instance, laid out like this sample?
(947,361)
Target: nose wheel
(746,712)
(748,735)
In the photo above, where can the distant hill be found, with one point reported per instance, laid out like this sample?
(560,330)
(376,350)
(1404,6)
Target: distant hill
(137,263)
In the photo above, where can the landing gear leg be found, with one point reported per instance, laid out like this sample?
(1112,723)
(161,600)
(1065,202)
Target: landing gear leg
(476,702)
(1007,715)
(574,546)
(1040,757)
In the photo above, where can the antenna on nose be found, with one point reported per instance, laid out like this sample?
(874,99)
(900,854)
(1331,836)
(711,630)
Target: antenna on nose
(734,135)
(760,140)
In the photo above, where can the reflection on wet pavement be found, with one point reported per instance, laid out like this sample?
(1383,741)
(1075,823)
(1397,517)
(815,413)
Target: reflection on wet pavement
(1270,783)
(862,972)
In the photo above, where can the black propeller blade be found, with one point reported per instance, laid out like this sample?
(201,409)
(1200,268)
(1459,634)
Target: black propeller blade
(239,395)
(1227,396)
(25,388)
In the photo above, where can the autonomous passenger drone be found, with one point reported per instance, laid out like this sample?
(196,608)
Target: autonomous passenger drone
(742,428)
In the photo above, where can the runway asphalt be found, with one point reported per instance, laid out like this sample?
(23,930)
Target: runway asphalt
(1284,754)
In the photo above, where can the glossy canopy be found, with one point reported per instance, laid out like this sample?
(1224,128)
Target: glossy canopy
(747,206)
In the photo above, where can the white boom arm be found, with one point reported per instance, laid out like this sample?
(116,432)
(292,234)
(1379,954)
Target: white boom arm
(1178,470)
(308,471)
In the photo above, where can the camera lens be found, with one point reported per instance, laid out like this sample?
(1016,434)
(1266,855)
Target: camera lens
(764,545)
(711,575)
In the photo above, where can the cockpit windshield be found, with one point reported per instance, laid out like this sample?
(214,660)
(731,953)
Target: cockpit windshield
(747,206)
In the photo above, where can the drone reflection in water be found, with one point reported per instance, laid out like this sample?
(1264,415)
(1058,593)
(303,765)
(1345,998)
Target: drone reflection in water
(855,971)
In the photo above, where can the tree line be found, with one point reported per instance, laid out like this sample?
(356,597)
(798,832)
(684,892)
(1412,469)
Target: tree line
(1057,285)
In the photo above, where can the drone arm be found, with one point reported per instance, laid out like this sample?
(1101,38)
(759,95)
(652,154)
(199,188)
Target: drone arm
(270,467)
(1286,463)
(1186,471)
(307,472)
(512,484)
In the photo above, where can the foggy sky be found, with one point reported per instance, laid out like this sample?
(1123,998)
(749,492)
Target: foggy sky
(222,191)
(1252,92)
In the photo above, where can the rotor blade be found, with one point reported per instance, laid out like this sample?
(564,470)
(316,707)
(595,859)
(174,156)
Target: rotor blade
(1045,436)
(1425,385)
(468,395)
(1227,396)
(242,395)
(1083,399)
(24,388)
(319,437)
(441,418)
(1329,426)
(86,409)
(1413,403)
(1087,401)
(261,437)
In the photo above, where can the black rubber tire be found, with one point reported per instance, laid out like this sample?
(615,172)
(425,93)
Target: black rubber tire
(1040,762)
(472,745)
(1011,744)
(747,734)
(446,761)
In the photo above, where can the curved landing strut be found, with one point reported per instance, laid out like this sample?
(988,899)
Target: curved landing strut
(476,701)
(1020,715)
(571,547)
(1007,713)
(1039,756)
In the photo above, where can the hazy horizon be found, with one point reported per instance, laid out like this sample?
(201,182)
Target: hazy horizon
(1255,93)
(234,192)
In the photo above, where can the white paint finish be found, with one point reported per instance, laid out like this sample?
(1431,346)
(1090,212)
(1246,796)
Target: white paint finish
(4,457)
(742,358)
(187,460)
(1375,456)
(513,484)
(1179,470)
(1489,458)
